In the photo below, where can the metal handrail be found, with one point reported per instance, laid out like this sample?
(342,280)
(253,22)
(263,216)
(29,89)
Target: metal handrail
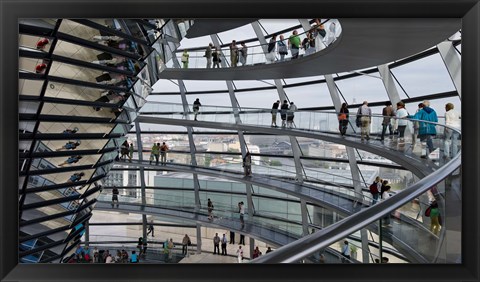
(307,245)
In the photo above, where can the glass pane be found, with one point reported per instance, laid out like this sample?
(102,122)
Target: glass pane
(434,78)
(355,90)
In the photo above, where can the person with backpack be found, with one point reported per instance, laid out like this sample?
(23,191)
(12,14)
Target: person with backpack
(282,48)
(196,107)
(434,213)
(343,119)
(374,189)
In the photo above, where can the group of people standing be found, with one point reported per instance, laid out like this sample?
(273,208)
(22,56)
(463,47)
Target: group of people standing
(425,130)
(126,150)
(213,53)
(380,191)
(315,40)
(287,113)
(216,243)
(237,55)
(159,151)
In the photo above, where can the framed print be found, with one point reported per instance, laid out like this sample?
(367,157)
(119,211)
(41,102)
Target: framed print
(204,140)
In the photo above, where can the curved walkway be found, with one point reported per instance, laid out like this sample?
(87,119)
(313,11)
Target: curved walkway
(405,232)
(341,203)
(265,233)
(404,157)
(363,43)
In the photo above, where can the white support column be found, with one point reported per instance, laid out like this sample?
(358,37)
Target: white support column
(365,248)
(304,211)
(453,63)
(297,153)
(261,38)
(196,184)
(241,139)
(250,212)
(352,160)
(305,24)
(389,84)
(199,238)
(142,176)
(281,94)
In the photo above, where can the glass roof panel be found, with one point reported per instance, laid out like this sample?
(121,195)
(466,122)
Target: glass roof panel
(434,76)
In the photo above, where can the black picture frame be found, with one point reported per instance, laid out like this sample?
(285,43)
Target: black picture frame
(11,11)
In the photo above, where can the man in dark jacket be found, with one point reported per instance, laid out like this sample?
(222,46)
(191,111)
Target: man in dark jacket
(196,107)
(283,113)
(387,114)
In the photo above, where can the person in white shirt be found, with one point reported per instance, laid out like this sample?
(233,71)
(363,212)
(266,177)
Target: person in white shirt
(401,121)
(452,119)
(109,259)
(240,254)
(345,251)
(291,114)
(386,195)
(224,245)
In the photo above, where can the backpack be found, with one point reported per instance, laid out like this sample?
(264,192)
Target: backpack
(373,188)
(427,211)
(322,32)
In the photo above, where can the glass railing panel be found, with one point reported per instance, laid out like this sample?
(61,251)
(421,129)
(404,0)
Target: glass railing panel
(409,233)
(184,201)
(325,122)
(255,55)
